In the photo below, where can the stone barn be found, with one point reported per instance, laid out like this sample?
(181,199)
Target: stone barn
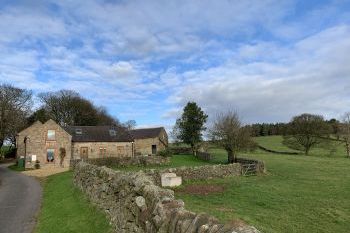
(149,141)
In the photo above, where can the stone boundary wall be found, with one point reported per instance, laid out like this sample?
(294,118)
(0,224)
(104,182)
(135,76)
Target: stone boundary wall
(135,204)
(126,161)
(278,152)
(198,173)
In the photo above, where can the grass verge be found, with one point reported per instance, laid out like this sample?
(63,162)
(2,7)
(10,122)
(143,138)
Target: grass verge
(66,209)
(14,167)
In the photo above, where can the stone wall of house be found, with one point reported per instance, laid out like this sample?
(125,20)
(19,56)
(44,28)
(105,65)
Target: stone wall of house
(198,173)
(96,149)
(38,143)
(144,146)
(126,161)
(135,204)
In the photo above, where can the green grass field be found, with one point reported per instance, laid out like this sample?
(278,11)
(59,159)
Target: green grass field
(65,209)
(333,149)
(274,143)
(299,194)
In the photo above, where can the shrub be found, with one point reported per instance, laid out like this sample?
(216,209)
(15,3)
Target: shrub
(181,150)
(10,153)
(62,155)
(37,164)
(165,153)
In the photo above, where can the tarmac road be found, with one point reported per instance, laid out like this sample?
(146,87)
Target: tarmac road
(20,199)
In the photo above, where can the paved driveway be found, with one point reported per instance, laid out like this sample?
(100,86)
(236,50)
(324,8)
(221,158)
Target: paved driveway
(20,198)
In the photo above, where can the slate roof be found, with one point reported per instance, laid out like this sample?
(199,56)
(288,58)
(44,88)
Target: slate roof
(146,133)
(98,134)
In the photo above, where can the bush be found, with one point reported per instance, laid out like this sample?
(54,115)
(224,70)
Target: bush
(10,153)
(37,164)
(181,150)
(165,153)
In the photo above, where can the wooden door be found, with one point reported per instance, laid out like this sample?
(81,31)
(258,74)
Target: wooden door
(84,152)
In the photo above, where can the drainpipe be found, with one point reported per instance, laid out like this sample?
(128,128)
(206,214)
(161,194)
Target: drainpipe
(132,149)
(26,138)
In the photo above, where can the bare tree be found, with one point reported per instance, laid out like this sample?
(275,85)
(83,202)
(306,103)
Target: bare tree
(15,105)
(345,132)
(305,132)
(229,132)
(130,124)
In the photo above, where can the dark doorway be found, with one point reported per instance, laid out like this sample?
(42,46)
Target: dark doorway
(154,149)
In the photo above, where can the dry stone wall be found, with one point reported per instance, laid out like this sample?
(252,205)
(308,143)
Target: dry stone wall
(126,161)
(198,173)
(135,204)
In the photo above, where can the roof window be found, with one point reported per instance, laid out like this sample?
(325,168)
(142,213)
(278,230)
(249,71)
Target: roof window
(112,132)
(78,132)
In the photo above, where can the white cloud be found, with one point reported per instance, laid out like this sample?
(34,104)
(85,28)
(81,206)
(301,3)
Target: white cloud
(309,78)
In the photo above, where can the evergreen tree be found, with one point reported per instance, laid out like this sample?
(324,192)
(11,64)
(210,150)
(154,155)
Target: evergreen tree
(190,126)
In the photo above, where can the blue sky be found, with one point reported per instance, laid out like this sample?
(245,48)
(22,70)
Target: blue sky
(144,60)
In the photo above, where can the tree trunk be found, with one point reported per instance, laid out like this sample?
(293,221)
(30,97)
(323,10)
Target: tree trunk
(1,143)
(231,157)
(307,151)
(347,144)
(193,148)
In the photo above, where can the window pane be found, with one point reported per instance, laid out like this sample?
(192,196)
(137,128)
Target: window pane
(50,155)
(51,135)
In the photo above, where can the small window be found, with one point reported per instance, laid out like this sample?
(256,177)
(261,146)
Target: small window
(78,132)
(51,135)
(112,132)
(103,151)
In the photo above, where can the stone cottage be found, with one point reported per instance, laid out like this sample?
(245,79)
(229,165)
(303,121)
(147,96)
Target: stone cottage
(149,141)
(46,142)
(43,142)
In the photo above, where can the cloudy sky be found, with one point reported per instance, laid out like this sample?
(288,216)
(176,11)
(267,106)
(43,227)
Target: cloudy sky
(143,60)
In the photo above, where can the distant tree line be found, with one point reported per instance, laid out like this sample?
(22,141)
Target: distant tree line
(66,107)
(270,129)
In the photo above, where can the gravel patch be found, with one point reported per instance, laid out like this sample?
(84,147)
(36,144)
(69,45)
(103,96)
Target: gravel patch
(44,172)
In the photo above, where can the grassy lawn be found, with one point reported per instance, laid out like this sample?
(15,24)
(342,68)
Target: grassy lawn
(14,167)
(65,209)
(274,143)
(299,194)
